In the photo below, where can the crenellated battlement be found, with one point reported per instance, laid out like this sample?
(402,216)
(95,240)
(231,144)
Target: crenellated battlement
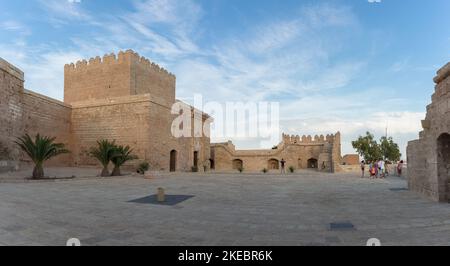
(124,74)
(297,139)
(122,57)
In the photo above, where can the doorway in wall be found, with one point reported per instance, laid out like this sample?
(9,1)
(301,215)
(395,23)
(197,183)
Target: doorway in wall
(312,163)
(443,160)
(173,160)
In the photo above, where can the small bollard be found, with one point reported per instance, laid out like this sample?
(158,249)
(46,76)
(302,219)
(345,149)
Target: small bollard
(161,195)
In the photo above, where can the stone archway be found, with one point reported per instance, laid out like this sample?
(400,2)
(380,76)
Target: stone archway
(273,164)
(238,164)
(313,164)
(443,167)
(173,160)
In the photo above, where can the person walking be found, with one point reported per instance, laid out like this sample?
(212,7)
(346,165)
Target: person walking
(283,166)
(381,168)
(375,166)
(400,168)
(363,167)
(372,170)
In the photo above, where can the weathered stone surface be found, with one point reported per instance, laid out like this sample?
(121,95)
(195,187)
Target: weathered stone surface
(322,153)
(429,156)
(351,159)
(125,98)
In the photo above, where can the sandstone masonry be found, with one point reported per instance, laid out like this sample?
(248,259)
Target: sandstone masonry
(429,156)
(322,153)
(125,98)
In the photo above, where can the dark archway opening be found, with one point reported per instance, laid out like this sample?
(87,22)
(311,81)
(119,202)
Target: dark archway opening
(238,164)
(173,161)
(196,159)
(443,160)
(273,164)
(312,163)
(212,164)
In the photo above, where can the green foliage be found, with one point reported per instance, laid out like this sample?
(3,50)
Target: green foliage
(39,150)
(390,149)
(121,155)
(241,169)
(265,170)
(103,153)
(370,150)
(143,167)
(291,169)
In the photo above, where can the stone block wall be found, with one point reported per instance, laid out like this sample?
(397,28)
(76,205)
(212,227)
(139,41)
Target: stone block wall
(22,111)
(298,152)
(47,117)
(11,91)
(429,156)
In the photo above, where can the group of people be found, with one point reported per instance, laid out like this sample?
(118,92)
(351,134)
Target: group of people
(379,169)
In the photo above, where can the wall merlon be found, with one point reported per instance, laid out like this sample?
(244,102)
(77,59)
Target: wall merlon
(296,139)
(122,56)
(109,59)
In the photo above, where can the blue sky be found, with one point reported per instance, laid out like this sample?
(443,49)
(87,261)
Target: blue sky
(336,65)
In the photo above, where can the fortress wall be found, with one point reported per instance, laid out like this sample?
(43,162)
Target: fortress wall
(139,121)
(295,155)
(126,120)
(23,111)
(47,117)
(11,94)
(425,155)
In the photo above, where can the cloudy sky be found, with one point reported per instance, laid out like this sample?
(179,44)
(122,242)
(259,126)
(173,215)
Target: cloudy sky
(348,66)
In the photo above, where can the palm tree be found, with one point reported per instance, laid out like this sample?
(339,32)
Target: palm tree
(40,150)
(121,155)
(104,152)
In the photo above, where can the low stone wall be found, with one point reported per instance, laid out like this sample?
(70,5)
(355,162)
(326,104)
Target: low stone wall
(8,166)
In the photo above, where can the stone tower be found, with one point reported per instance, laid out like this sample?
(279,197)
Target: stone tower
(429,156)
(116,76)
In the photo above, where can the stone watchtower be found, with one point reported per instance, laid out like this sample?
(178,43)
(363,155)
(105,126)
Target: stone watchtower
(124,75)
(429,156)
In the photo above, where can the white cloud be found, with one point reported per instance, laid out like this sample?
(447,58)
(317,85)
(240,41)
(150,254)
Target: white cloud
(292,60)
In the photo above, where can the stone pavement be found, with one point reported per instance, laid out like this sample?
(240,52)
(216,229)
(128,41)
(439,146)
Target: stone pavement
(227,209)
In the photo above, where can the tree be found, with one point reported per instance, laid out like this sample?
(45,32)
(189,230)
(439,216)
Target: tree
(40,150)
(367,147)
(389,149)
(104,153)
(120,156)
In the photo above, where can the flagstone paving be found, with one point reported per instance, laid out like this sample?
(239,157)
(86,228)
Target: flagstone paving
(222,209)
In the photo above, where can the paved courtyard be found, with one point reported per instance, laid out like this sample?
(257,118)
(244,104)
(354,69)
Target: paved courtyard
(227,209)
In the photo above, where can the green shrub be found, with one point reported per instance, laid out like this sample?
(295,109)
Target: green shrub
(39,150)
(291,169)
(103,153)
(120,156)
(143,167)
